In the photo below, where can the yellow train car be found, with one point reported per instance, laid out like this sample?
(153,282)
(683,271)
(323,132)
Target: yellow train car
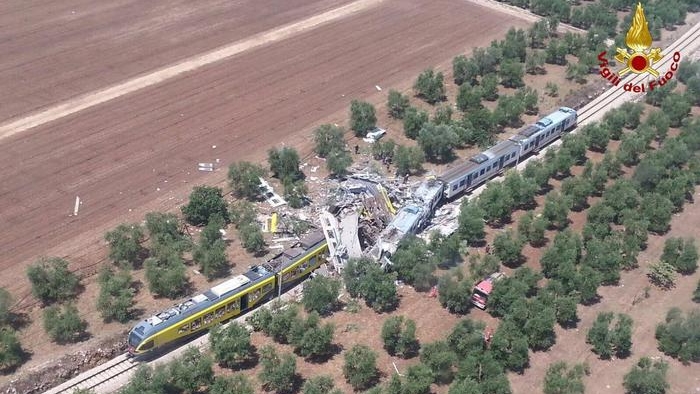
(231,298)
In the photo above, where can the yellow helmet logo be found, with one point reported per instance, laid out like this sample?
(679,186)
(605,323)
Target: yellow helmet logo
(641,58)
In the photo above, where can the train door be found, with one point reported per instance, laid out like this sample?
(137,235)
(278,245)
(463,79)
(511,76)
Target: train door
(244,302)
(469,180)
(500,162)
(537,142)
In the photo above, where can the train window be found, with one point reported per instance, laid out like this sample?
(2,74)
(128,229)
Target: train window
(208,318)
(232,306)
(462,182)
(184,328)
(267,287)
(312,260)
(219,312)
(454,187)
(196,324)
(148,345)
(482,172)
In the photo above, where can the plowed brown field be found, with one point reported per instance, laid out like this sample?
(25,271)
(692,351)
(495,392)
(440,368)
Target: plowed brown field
(138,152)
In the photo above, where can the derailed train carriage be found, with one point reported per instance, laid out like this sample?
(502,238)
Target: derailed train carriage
(231,298)
(468,175)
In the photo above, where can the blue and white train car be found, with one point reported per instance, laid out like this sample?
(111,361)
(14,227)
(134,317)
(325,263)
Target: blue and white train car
(480,168)
(532,138)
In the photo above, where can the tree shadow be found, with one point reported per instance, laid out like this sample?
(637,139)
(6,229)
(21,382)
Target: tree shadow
(581,208)
(517,263)
(478,244)
(545,240)
(261,253)
(545,189)
(249,363)
(82,336)
(18,320)
(592,301)
(137,285)
(136,313)
(24,356)
(447,264)
(570,324)
(561,177)
(333,351)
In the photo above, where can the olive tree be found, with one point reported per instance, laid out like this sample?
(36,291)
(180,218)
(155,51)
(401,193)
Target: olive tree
(562,379)
(284,164)
(399,336)
(508,248)
(646,377)
(681,254)
(63,324)
(278,371)
(11,353)
(52,281)
(234,384)
(321,294)
(116,295)
(397,104)
(360,367)
(413,121)
(6,301)
(430,86)
(362,117)
(231,345)
(205,202)
(328,138)
(678,336)
(244,179)
(125,243)
(320,385)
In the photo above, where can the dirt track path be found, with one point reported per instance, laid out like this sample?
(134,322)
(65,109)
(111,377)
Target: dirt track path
(191,64)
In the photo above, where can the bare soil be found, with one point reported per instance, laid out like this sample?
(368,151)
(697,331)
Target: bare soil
(138,153)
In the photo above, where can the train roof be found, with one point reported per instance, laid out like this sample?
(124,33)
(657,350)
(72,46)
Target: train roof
(458,171)
(228,288)
(501,148)
(528,131)
(556,116)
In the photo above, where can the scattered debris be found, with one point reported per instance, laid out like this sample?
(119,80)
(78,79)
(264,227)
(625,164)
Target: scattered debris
(205,167)
(378,88)
(77,206)
(270,196)
(374,135)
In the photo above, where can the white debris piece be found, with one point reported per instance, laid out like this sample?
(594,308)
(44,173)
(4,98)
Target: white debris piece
(270,196)
(209,167)
(378,88)
(77,206)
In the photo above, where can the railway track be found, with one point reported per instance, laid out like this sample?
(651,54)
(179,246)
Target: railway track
(98,377)
(686,44)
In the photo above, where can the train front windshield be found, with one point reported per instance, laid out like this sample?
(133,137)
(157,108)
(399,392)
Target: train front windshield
(479,296)
(134,339)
